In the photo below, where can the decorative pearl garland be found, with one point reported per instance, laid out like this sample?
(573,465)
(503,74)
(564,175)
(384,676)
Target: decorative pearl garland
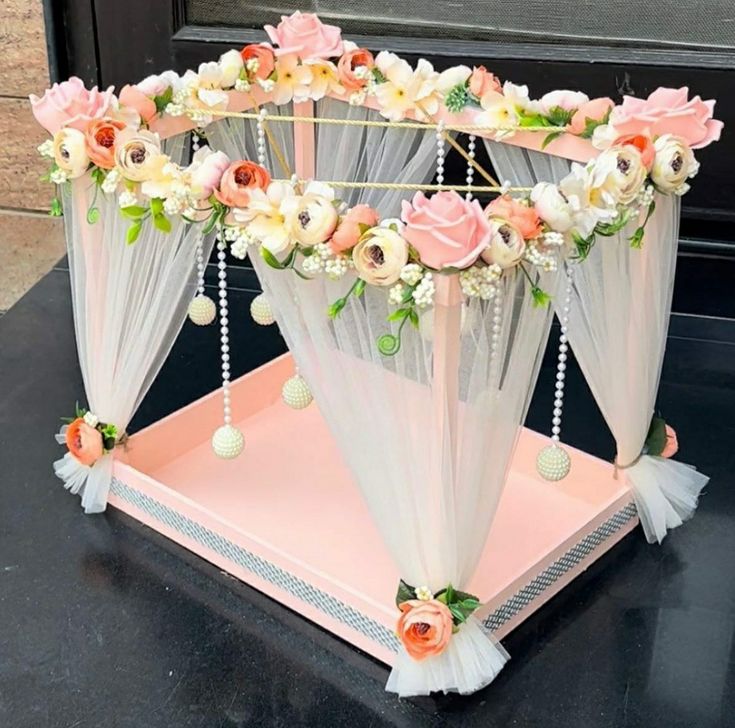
(471,145)
(496,331)
(553,462)
(440,153)
(228,441)
(261,137)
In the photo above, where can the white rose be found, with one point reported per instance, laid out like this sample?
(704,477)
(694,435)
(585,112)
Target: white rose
(70,152)
(313,219)
(567,100)
(380,256)
(230,64)
(552,206)
(153,85)
(136,153)
(506,246)
(621,172)
(673,164)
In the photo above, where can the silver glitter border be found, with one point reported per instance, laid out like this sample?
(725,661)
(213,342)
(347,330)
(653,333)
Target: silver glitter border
(344,613)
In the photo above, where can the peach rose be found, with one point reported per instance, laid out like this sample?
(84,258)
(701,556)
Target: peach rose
(524,218)
(445,229)
(642,143)
(482,81)
(261,57)
(595,109)
(237,182)
(348,231)
(135,99)
(349,63)
(306,36)
(84,442)
(668,111)
(424,627)
(672,443)
(101,135)
(70,104)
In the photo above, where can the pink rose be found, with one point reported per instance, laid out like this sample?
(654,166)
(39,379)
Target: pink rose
(348,231)
(350,61)
(70,104)
(135,99)
(206,170)
(445,229)
(669,111)
(523,217)
(594,109)
(482,81)
(306,35)
(672,444)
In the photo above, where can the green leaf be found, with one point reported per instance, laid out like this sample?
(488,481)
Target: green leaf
(156,206)
(541,299)
(559,116)
(307,251)
(271,259)
(608,229)
(163,100)
(109,443)
(550,138)
(533,120)
(162,223)
(56,208)
(93,215)
(363,228)
(636,239)
(399,314)
(133,212)
(378,76)
(211,222)
(456,98)
(413,317)
(656,437)
(583,245)
(359,287)
(133,232)
(336,308)
(457,613)
(405,593)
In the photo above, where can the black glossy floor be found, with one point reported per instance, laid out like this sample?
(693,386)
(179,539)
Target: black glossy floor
(103,623)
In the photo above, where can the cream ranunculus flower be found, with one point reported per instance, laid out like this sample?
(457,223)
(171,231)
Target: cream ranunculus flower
(380,255)
(506,246)
(552,206)
(136,153)
(620,171)
(673,164)
(70,152)
(267,217)
(312,219)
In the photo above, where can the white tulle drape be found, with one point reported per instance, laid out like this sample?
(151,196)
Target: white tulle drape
(129,304)
(429,433)
(617,327)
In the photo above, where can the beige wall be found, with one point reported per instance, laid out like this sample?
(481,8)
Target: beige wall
(23,70)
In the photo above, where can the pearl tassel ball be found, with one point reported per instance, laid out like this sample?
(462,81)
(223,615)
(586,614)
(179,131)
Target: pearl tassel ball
(296,393)
(261,311)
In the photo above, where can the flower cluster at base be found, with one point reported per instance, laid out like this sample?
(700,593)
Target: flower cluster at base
(661,440)
(428,620)
(88,439)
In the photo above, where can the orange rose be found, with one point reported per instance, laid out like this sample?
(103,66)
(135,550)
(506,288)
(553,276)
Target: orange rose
(424,627)
(349,62)
(594,109)
(642,143)
(348,231)
(84,442)
(482,81)
(101,135)
(136,99)
(263,55)
(672,443)
(237,182)
(523,217)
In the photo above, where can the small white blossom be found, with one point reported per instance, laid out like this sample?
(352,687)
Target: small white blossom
(313,264)
(239,249)
(127,199)
(481,281)
(46,149)
(424,593)
(323,250)
(112,180)
(173,205)
(396,293)
(252,65)
(411,273)
(423,295)
(91,419)
(357,98)
(59,176)
(336,267)
(173,109)
(645,196)
(361,72)
(242,84)
(267,84)
(553,239)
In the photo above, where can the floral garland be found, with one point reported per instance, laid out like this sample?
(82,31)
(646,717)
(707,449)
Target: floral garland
(88,439)
(646,148)
(428,620)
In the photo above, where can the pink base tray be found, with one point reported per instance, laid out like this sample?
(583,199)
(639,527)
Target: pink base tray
(292,524)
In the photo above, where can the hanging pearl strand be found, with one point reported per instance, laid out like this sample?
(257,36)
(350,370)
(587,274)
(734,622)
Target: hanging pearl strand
(471,146)
(261,137)
(553,462)
(496,331)
(440,153)
(228,441)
